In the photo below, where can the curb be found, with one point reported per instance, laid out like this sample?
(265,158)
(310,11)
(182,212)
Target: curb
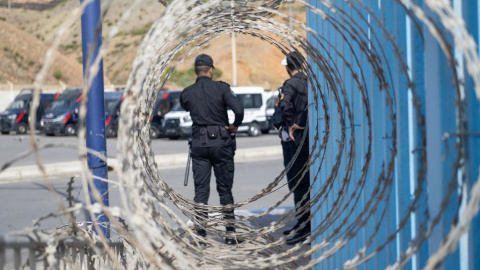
(71,168)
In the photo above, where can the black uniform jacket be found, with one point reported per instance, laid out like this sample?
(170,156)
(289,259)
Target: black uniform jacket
(207,102)
(295,100)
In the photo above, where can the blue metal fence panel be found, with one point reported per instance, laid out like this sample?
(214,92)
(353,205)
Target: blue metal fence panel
(441,154)
(417,139)
(473,129)
(376,45)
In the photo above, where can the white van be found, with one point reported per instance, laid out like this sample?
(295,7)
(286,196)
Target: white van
(254,100)
(177,123)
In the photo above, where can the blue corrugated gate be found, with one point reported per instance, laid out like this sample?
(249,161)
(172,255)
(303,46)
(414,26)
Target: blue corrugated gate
(395,130)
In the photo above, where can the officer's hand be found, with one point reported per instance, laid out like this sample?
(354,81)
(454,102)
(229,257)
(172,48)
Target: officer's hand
(292,130)
(232,128)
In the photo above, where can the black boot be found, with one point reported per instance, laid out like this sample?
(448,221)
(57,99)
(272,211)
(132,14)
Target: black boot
(203,234)
(231,240)
(298,237)
(287,232)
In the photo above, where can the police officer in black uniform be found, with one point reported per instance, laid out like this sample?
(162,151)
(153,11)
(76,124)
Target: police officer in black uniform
(294,107)
(213,143)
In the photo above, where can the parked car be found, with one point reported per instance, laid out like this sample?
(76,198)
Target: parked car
(165,102)
(113,101)
(178,123)
(16,116)
(62,118)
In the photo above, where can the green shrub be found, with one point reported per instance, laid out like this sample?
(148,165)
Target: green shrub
(121,45)
(71,47)
(142,31)
(57,74)
(187,77)
(217,73)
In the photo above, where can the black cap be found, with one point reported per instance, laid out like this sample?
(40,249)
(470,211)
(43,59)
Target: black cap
(204,60)
(295,60)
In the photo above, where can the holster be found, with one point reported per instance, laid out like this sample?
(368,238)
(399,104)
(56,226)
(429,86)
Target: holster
(203,135)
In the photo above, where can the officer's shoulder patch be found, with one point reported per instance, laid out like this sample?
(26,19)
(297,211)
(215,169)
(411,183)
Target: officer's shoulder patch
(222,83)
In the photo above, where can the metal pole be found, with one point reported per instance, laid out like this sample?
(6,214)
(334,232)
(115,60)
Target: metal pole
(95,119)
(234,61)
(11,89)
(290,14)
(234,53)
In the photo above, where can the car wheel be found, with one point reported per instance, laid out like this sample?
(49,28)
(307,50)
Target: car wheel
(70,130)
(111,131)
(22,128)
(253,130)
(154,132)
(5,132)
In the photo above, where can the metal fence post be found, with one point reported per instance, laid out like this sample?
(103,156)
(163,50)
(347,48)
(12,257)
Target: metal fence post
(95,119)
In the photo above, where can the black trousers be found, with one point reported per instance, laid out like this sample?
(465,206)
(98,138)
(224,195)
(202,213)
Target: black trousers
(221,159)
(294,176)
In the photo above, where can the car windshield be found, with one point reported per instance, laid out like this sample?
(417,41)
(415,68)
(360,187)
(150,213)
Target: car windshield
(177,107)
(110,104)
(250,101)
(67,99)
(271,102)
(61,106)
(19,104)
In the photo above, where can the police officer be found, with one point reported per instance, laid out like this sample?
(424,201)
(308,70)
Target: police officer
(212,142)
(294,107)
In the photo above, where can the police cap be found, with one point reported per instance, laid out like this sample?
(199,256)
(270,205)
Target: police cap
(294,60)
(204,60)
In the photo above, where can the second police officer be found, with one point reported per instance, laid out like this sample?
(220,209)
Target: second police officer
(212,143)
(294,111)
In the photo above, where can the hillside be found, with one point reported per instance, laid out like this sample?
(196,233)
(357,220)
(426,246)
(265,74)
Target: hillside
(22,56)
(258,63)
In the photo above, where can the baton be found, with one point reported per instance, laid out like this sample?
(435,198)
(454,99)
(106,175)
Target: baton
(187,170)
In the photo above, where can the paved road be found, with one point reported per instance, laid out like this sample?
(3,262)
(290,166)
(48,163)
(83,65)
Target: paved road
(21,203)
(13,145)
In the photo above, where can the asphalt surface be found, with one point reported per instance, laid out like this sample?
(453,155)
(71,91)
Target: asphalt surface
(21,203)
